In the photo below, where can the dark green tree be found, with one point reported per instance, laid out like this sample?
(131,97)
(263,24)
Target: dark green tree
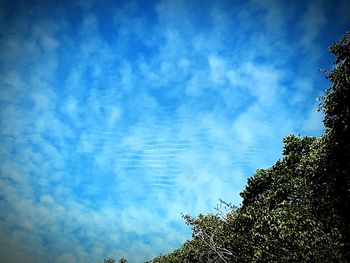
(336,106)
(112,260)
(109,260)
(123,260)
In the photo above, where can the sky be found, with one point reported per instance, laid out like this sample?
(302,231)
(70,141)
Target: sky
(116,117)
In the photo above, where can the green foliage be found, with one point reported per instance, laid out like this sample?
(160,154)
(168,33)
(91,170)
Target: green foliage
(112,260)
(295,211)
(123,260)
(109,260)
(336,106)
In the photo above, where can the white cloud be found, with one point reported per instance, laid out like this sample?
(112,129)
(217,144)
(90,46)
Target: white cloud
(313,24)
(312,124)
(126,80)
(114,114)
(217,69)
(263,82)
(70,107)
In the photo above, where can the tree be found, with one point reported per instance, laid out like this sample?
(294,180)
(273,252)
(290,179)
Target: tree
(123,260)
(112,260)
(336,106)
(109,260)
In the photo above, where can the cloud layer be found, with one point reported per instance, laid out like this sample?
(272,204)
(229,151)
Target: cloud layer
(115,118)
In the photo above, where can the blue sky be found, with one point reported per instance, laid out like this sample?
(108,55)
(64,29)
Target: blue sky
(118,116)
